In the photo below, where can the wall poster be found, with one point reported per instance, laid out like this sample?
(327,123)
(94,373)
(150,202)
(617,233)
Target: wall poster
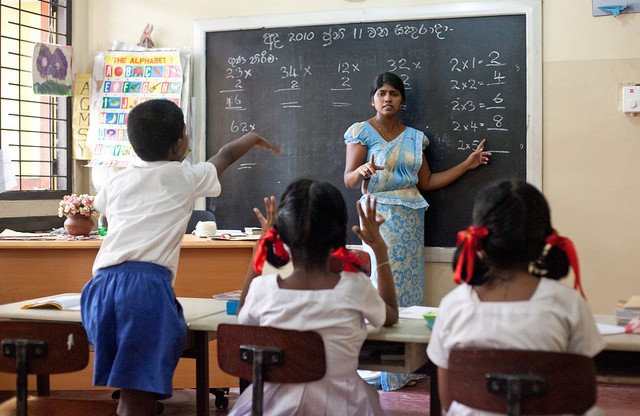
(124,79)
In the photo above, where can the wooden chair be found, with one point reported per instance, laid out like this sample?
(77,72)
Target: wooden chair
(522,382)
(260,354)
(43,348)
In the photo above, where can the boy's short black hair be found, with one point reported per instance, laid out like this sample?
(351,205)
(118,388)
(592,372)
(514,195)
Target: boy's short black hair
(153,127)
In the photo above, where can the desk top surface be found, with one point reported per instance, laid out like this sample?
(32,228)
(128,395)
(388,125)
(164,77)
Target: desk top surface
(194,309)
(205,314)
(406,330)
(188,241)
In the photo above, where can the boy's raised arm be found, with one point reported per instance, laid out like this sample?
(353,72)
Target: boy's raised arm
(234,150)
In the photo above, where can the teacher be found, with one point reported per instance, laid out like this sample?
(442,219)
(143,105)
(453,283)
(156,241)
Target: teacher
(386,158)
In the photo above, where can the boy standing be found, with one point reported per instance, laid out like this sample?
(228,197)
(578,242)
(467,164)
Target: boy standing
(129,308)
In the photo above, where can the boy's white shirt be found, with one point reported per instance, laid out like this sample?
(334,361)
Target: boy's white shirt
(148,205)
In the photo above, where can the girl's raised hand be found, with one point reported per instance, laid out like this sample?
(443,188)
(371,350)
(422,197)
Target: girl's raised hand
(370,221)
(270,208)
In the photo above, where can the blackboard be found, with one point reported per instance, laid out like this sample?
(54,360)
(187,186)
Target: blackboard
(466,78)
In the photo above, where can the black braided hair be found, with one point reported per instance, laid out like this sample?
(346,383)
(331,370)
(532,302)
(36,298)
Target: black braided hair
(518,219)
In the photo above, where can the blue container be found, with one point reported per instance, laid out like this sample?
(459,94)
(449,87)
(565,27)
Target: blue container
(232,307)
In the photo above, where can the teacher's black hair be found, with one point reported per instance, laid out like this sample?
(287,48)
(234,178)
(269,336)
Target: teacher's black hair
(387,78)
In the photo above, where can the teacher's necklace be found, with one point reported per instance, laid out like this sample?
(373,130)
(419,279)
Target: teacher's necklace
(382,131)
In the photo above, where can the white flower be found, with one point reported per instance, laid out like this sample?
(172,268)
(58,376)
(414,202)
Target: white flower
(77,204)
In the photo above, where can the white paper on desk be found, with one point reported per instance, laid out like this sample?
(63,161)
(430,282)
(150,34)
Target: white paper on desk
(8,234)
(232,233)
(605,329)
(242,237)
(415,312)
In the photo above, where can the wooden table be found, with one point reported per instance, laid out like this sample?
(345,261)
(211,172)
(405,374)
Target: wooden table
(34,269)
(204,315)
(196,347)
(618,363)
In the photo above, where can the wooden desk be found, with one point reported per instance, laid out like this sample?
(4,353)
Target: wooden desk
(204,315)
(619,362)
(34,269)
(196,346)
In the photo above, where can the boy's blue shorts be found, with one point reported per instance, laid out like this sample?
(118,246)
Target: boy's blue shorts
(136,325)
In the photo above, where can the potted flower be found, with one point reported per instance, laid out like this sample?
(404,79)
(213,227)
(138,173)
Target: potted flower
(79,211)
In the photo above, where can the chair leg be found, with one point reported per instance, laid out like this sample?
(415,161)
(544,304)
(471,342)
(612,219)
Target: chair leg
(261,357)
(21,379)
(43,385)
(22,349)
(258,383)
(515,386)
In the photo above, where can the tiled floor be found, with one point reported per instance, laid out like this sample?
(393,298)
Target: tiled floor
(616,400)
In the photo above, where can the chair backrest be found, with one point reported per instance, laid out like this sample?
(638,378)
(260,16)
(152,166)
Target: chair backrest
(198,215)
(522,381)
(43,348)
(303,351)
(259,354)
(53,347)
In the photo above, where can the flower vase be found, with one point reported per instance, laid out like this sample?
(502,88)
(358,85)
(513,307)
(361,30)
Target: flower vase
(78,225)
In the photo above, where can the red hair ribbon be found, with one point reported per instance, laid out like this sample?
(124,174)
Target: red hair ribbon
(269,242)
(350,263)
(469,239)
(566,245)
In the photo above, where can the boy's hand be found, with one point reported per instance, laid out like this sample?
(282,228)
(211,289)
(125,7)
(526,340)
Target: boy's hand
(263,143)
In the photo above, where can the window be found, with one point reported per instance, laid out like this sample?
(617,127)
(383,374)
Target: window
(35,130)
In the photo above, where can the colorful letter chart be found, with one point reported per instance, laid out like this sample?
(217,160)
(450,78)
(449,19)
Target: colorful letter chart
(129,78)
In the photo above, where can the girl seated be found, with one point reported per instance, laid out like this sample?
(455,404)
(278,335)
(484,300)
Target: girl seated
(318,296)
(508,265)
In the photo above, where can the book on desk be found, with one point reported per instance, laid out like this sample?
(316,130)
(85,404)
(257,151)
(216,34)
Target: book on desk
(69,302)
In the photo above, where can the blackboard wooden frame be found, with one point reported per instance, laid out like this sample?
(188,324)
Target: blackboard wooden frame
(530,9)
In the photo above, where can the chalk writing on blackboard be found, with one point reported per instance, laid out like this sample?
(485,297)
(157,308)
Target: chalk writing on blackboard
(465,79)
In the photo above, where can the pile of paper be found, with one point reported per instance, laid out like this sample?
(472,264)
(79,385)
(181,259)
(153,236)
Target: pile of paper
(626,311)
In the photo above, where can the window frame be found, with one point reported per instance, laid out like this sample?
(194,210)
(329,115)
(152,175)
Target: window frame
(59,125)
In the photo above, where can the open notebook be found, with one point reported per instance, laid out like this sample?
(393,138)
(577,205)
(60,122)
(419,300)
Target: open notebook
(62,302)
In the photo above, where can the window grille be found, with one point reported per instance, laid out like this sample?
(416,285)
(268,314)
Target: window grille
(35,130)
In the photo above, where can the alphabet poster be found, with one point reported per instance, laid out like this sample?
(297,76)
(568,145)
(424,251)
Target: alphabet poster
(123,80)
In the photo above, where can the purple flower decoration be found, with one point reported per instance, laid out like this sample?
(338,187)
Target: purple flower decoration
(54,65)
(59,65)
(43,62)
